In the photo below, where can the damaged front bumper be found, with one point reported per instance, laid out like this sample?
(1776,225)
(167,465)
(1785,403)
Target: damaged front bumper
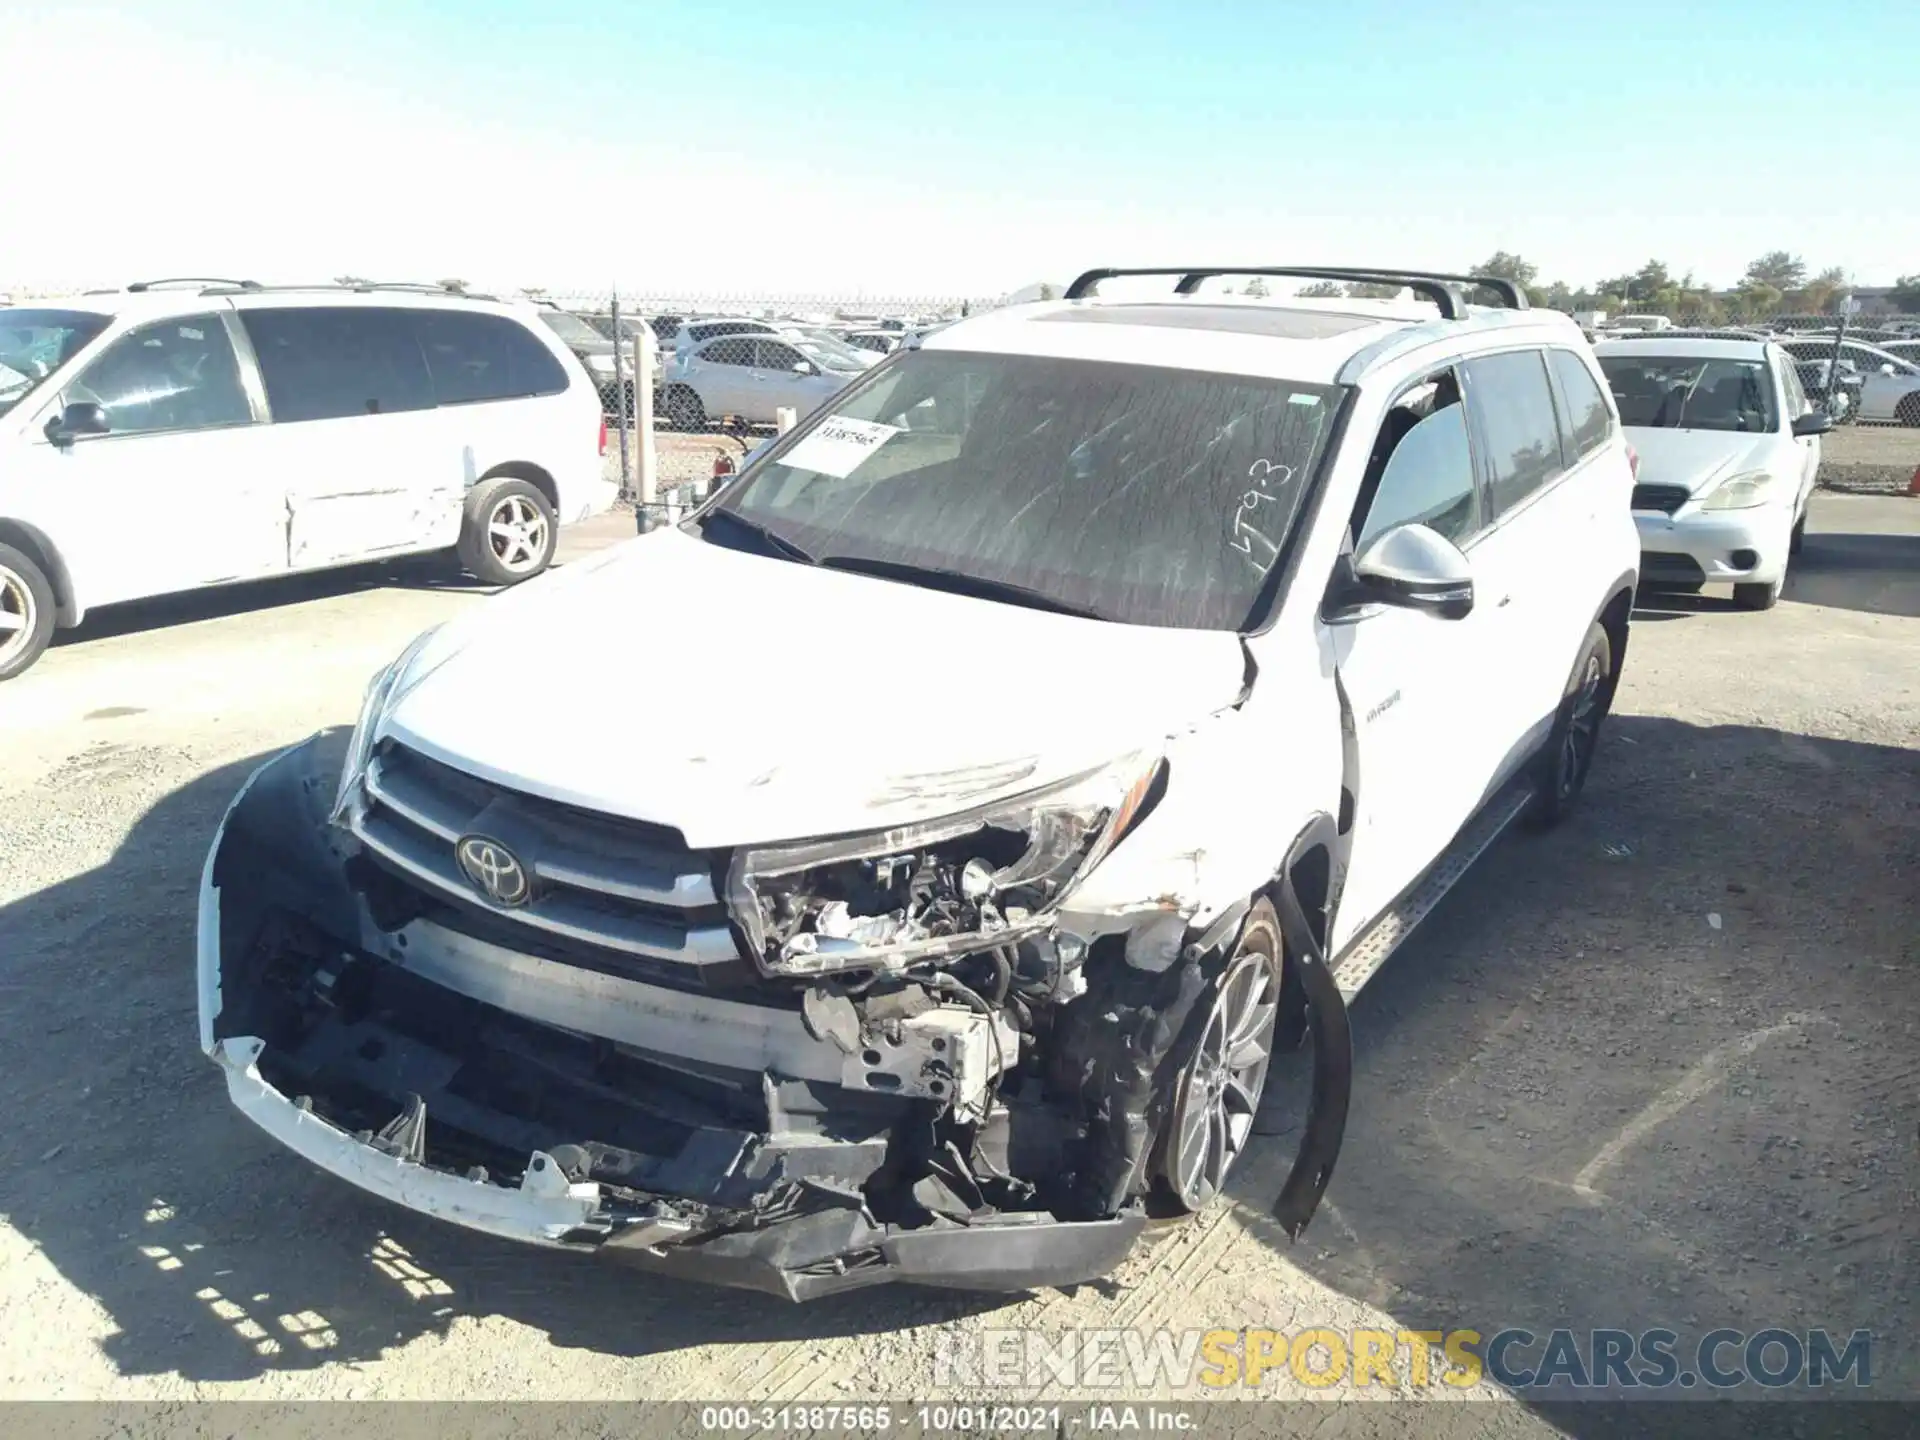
(751,1138)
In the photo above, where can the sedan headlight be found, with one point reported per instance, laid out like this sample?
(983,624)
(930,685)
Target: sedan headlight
(1741,492)
(382,690)
(968,882)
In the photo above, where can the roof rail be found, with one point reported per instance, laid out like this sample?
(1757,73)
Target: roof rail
(367,287)
(139,287)
(1446,291)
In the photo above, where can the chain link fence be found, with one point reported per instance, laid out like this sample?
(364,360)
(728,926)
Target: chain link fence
(693,384)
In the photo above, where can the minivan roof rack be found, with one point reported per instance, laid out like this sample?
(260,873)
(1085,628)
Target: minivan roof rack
(363,287)
(1444,289)
(139,287)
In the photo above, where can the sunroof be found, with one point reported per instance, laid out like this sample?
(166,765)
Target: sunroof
(1245,319)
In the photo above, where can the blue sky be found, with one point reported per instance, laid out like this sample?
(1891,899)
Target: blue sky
(954,148)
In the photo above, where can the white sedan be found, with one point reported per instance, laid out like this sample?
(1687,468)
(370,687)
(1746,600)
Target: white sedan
(1729,446)
(1890,387)
(750,377)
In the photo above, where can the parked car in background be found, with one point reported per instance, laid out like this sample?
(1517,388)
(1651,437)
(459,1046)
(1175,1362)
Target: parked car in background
(591,348)
(966,997)
(750,377)
(879,342)
(1907,350)
(1839,398)
(171,436)
(1889,387)
(1729,449)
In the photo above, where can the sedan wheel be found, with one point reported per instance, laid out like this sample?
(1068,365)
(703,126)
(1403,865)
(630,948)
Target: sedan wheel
(1218,1090)
(19,616)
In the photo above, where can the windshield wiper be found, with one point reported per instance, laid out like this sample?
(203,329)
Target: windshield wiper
(774,541)
(960,582)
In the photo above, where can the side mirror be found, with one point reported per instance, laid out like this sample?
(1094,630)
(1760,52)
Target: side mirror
(1814,422)
(1410,567)
(82,417)
(804,367)
(1888,370)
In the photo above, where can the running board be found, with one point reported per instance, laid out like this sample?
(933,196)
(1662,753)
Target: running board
(1369,950)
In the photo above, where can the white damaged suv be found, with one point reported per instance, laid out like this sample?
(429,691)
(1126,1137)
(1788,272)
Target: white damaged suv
(1083,706)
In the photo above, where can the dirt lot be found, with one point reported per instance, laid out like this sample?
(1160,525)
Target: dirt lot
(1656,1068)
(1870,458)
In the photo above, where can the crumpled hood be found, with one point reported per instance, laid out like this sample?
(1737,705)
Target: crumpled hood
(1697,459)
(746,699)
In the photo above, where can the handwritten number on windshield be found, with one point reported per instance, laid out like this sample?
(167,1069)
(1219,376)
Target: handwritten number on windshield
(1267,479)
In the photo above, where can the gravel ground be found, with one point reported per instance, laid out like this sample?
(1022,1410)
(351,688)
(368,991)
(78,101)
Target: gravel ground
(1870,459)
(1655,1068)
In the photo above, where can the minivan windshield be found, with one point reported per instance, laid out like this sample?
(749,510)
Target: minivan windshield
(1133,493)
(35,343)
(1681,392)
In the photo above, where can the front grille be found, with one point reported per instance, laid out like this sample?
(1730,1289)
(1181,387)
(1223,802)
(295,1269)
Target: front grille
(1664,498)
(623,886)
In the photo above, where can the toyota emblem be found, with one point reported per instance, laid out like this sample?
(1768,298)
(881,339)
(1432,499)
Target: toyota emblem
(495,871)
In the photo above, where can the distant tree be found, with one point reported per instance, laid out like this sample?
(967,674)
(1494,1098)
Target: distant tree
(1507,267)
(1047,292)
(1321,290)
(1649,281)
(458,287)
(1779,270)
(1256,287)
(1906,294)
(1822,294)
(1754,300)
(349,281)
(1557,296)
(1361,290)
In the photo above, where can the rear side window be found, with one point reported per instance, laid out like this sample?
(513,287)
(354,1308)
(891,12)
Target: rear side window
(472,357)
(323,364)
(1586,419)
(732,350)
(1520,433)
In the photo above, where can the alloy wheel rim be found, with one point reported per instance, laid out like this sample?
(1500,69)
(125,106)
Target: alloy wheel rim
(1583,725)
(1220,1089)
(19,617)
(517,534)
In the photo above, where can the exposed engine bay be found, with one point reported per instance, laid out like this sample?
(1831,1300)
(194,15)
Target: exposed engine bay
(910,1073)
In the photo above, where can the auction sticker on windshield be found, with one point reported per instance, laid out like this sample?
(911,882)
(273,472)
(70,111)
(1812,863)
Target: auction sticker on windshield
(839,445)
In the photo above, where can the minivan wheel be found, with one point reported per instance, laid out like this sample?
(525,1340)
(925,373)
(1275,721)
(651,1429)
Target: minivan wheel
(1561,772)
(508,534)
(26,612)
(684,410)
(1217,1088)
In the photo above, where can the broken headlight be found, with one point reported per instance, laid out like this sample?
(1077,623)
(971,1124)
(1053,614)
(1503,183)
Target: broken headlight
(382,691)
(963,883)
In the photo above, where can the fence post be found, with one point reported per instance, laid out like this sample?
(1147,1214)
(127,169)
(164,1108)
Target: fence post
(784,418)
(620,402)
(644,359)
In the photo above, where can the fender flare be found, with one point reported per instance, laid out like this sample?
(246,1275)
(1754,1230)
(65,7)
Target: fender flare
(1304,925)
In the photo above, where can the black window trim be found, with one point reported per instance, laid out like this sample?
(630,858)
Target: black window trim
(1482,506)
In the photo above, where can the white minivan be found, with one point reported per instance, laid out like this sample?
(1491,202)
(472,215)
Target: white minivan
(180,434)
(1083,705)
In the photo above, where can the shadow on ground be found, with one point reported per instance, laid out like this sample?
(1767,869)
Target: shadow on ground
(1579,1101)
(410,572)
(1653,1069)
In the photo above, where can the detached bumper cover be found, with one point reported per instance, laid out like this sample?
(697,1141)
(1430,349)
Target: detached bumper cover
(800,1236)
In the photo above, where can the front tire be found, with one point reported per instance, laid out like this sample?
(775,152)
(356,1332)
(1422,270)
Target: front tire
(1218,1083)
(684,410)
(1561,771)
(1757,596)
(508,533)
(26,612)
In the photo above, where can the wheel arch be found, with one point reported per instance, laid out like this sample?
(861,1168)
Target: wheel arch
(34,543)
(1615,618)
(533,474)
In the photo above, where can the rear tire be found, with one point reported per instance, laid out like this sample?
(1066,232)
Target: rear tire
(1797,538)
(508,533)
(1757,596)
(1560,773)
(1907,412)
(26,612)
(684,409)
